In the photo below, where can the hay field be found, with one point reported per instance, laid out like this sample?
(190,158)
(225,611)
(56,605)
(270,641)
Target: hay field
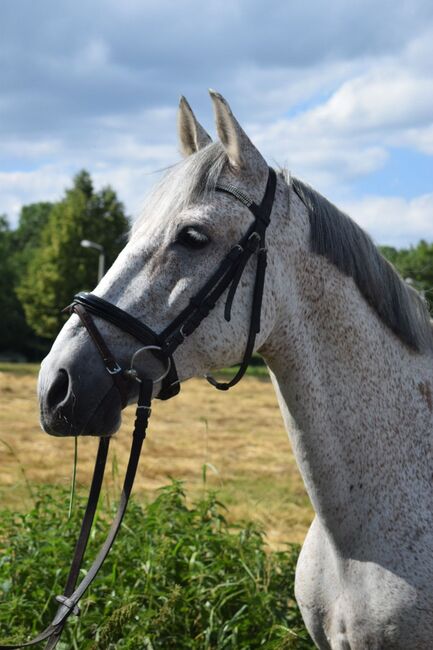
(239,435)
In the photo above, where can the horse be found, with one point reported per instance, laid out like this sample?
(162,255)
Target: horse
(349,347)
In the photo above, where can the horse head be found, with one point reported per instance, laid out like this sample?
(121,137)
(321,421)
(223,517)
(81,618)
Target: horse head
(186,229)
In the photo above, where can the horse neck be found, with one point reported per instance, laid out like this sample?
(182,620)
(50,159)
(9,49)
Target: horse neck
(356,401)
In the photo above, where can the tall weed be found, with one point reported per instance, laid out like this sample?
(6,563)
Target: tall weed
(178,577)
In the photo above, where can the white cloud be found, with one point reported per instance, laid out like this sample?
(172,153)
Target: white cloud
(48,183)
(30,149)
(393,220)
(132,184)
(19,188)
(124,151)
(323,159)
(386,97)
(420,139)
(326,89)
(351,133)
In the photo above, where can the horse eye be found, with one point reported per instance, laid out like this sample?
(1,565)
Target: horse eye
(191,237)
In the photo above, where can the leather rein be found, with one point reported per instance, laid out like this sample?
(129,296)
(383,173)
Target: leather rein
(86,305)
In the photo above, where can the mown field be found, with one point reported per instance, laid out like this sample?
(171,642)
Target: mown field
(205,563)
(239,436)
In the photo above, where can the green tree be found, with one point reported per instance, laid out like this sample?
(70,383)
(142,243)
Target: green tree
(60,266)
(415,263)
(13,328)
(27,237)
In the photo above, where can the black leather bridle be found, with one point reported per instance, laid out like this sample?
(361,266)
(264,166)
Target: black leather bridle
(162,345)
(228,274)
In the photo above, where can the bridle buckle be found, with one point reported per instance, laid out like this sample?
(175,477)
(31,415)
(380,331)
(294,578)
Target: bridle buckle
(115,370)
(66,602)
(253,241)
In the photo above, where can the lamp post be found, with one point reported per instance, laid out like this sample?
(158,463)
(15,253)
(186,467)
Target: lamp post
(86,243)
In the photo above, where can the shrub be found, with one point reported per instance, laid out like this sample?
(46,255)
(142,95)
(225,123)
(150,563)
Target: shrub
(178,577)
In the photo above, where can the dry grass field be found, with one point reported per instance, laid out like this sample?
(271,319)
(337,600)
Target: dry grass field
(239,436)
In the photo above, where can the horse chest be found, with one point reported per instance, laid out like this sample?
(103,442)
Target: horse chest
(357,604)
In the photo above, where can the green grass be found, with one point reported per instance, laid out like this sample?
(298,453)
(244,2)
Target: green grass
(19,368)
(178,577)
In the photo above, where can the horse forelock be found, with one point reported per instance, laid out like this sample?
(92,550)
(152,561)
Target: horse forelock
(183,184)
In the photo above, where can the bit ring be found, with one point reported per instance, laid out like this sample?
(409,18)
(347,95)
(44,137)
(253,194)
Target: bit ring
(133,372)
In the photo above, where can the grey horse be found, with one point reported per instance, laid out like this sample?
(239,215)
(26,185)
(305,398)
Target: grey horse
(349,347)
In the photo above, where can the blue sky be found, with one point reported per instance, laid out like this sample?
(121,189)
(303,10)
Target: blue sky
(340,92)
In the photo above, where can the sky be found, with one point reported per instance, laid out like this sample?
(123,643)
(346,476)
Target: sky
(340,92)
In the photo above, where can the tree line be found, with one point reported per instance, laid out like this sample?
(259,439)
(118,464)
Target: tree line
(42,263)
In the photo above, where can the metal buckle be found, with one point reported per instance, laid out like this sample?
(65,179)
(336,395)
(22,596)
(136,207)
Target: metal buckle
(115,370)
(253,241)
(238,249)
(66,602)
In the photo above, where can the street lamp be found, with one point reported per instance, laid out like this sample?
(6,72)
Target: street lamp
(86,243)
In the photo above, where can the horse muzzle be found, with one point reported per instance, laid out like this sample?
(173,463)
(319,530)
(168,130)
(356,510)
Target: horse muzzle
(74,400)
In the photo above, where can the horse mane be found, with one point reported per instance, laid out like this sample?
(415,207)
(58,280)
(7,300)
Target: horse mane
(334,235)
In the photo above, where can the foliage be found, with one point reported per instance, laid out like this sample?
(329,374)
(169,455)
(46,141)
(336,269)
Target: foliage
(32,221)
(13,328)
(21,369)
(177,578)
(59,266)
(16,249)
(415,263)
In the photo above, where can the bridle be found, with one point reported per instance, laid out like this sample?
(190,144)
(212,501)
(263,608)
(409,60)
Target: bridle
(86,305)
(228,274)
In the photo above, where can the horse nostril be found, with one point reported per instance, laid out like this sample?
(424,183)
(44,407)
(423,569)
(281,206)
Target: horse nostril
(58,390)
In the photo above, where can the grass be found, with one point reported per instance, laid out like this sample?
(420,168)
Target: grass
(256,369)
(239,435)
(19,368)
(179,577)
(185,573)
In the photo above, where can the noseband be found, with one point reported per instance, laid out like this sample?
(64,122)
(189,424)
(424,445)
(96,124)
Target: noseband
(162,346)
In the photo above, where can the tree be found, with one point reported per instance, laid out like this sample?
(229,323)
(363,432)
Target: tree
(27,237)
(13,328)
(60,266)
(415,263)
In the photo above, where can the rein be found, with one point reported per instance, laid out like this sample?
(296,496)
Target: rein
(162,346)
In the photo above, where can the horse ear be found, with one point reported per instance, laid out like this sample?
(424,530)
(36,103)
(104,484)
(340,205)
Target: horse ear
(241,151)
(192,135)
